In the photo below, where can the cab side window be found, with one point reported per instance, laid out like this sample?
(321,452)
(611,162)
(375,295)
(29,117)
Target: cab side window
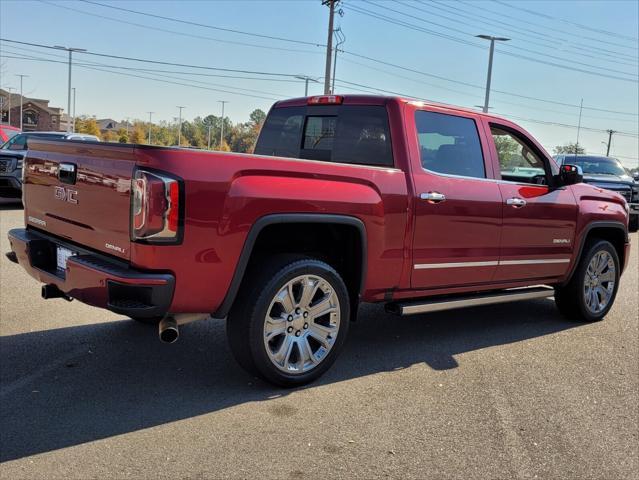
(517,162)
(449,144)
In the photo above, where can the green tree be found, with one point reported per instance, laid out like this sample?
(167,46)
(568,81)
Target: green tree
(572,148)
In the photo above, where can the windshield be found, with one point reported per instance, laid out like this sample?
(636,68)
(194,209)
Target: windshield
(597,165)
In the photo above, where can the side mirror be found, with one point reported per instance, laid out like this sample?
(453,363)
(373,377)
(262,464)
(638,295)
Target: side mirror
(570,174)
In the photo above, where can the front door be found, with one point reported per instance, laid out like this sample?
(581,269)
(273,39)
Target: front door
(539,222)
(457,206)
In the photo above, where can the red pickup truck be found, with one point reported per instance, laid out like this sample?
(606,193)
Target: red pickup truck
(347,199)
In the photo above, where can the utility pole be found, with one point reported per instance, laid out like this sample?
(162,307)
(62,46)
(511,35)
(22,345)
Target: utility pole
(610,132)
(329,44)
(73,129)
(223,102)
(341,38)
(490,64)
(21,97)
(150,125)
(180,126)
(209,137)
(70,50)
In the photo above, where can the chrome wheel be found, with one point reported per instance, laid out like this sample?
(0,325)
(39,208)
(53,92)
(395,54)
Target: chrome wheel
(301,324)
(599,281)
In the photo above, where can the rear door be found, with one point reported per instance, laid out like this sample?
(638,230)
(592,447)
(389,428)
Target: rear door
(80,191)
(539,221)
(458,204)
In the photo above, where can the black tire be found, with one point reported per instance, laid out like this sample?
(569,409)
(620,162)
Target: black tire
(570,298)
(633,224)
(148,321)
(246,321)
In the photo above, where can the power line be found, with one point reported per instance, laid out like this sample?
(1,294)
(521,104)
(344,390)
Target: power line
(412,26)
(570,22)
(164,30)
(605,55)
(506,45)
(186,22)
(353,54)
(520,30)
(159,62)
(542,26)
(158,79)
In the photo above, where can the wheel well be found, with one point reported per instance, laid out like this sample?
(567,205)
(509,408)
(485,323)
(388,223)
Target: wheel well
(339,245)
(615,236)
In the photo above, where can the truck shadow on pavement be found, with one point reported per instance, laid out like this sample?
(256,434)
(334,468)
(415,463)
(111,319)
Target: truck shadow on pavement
(65,387)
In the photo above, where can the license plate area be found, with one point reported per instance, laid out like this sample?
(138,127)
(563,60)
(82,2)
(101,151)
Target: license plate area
(62,255)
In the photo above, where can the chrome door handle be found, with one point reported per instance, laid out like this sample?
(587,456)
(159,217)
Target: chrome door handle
(516,202)
(433,197)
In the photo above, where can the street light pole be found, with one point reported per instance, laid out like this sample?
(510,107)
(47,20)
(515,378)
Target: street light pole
(150,125)
(73,129)
(306,79)
(180,126)
(21,97)
(490,64)
(9,112)
(223,102)
(70,50)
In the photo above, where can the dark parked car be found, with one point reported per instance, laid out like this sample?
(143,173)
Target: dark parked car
(608,173)
(12,155)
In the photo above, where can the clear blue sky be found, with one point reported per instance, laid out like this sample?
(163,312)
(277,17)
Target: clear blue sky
(602,38)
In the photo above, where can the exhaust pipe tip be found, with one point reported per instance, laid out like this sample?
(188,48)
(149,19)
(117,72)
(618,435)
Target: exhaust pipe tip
(168,330)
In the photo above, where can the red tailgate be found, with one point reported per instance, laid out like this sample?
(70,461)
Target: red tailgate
(92,209)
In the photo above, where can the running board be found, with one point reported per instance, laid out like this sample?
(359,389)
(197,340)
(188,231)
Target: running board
(450,303)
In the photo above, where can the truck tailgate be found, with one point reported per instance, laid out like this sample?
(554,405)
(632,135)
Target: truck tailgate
(80,191)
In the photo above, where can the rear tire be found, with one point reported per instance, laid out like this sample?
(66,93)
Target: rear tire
(591,292)
(633,224)
(289,321)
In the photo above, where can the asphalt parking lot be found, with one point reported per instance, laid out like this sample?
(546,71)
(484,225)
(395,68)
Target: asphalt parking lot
(508,391)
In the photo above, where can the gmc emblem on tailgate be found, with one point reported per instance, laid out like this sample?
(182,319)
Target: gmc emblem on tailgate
(65,194)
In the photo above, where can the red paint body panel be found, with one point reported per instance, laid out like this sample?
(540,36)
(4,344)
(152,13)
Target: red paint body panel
(224,194)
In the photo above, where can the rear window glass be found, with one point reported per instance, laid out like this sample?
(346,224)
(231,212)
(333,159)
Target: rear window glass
(449,144)
(344,134)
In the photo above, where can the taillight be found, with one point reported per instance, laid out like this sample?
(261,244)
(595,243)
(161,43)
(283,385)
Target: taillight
(155,207)
(326,100)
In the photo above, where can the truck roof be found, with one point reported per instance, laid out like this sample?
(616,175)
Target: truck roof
(358,99)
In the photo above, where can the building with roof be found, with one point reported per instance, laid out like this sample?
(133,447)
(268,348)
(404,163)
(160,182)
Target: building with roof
(37,115)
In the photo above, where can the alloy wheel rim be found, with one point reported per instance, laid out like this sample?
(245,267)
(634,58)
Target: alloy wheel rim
(599,282)
(301,324)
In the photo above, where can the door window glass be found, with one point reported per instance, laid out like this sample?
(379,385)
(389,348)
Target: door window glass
(517,163)
(449,144)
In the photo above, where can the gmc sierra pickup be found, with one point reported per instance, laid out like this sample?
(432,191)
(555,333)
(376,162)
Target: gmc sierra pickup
(347,199)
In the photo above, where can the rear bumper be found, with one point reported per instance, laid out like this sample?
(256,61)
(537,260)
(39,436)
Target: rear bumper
(92,278)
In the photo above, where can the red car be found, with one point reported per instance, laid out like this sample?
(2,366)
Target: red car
(6,132)
(347,199)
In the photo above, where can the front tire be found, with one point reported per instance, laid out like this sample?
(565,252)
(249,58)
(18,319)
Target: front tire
(591,292)
(290,320)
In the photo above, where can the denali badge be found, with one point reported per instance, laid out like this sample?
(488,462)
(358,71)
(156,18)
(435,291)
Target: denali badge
(37,221)
(560,240)
(65,194)
(114,247)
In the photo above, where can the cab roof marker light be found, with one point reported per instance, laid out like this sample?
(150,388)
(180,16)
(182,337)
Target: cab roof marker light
(326,100)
